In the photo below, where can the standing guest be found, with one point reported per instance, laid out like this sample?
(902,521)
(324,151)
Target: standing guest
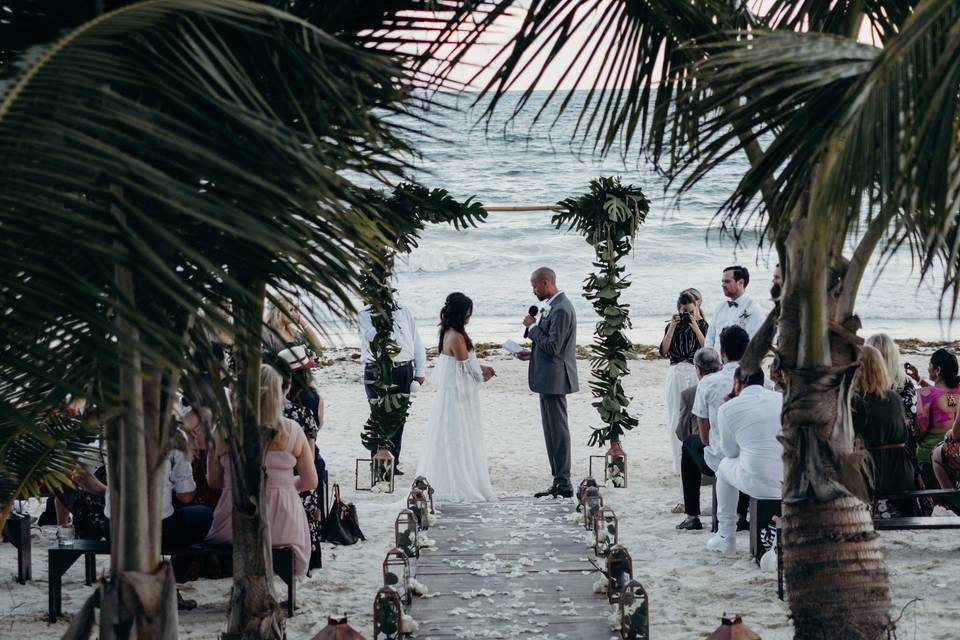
(409,365)
(937,404)
(286,328)
(706,362)
(749,424)
(682,337)
(287,451)
(738,309)
(879,422)
(698,298)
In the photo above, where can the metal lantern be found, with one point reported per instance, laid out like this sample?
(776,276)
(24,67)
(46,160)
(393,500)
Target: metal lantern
(338,629)
(423,484)
(405,534)
(733,629)
(591,506)
(619,572)
(417,503)
(381,467)
(387,615)
(585,484)
(606,531)
(615,470)
(396,574)
(634,612)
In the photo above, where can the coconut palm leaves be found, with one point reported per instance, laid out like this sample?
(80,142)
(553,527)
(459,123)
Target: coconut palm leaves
(608,218)
(183,146)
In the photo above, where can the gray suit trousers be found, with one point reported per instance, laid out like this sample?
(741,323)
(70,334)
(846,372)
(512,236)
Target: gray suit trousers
(556,433)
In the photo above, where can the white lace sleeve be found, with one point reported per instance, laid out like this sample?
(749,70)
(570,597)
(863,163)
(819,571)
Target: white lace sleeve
(470,368)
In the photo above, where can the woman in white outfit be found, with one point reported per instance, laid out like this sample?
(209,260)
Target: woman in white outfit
(682,337)
(455,458)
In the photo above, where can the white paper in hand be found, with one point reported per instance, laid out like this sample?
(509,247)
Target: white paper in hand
(512,347)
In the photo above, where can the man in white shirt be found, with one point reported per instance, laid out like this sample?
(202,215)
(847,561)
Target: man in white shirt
(738,309)
(701,452)
(408,366)
(753,456)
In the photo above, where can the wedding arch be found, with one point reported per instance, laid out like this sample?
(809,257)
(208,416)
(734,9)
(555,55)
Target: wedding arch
(608,216)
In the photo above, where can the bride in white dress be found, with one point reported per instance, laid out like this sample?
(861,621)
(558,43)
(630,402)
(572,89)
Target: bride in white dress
(455,459)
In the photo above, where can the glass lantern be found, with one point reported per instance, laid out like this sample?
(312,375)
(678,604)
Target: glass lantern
(591,507)
(405,533)
(381,466)
(396,574)
(634,612)
(582,491)
(616,466)
(387,615)
(606,531)
(423,484)
(417,503)
(619,572)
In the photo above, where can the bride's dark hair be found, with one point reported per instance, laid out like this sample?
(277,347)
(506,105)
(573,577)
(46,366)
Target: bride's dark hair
(454,314)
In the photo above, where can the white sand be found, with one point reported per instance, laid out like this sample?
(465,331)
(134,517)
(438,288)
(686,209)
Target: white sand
(689,589)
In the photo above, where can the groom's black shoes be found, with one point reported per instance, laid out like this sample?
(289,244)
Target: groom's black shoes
(555,492)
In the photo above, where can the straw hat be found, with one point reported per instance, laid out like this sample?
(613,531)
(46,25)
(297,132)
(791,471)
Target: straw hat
(297,358)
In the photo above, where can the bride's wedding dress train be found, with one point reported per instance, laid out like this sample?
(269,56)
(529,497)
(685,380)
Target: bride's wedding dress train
(455,459)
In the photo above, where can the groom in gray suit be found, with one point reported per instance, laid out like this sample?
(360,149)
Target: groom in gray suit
(553,373)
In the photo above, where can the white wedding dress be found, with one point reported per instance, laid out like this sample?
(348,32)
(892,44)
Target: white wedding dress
(455,459)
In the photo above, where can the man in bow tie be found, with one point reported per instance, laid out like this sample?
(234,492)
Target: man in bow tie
(738,309)
(553,373)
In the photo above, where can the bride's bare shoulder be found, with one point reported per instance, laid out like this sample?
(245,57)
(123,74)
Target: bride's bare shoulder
(455,344)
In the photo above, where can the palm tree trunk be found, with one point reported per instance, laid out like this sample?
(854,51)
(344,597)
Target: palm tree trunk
(254,612)
(837,583)
(138,599)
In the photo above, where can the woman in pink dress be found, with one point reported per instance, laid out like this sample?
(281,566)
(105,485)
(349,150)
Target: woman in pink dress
(287,452)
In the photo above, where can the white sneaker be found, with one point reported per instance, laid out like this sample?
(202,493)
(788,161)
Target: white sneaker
(723,545)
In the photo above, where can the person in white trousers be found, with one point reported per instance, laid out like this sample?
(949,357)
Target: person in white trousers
(753,456)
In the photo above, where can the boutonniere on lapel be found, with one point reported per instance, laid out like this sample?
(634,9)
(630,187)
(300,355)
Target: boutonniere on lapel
(744,314)
(544,310)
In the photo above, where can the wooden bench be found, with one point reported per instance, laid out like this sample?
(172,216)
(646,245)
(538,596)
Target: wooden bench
(62,558)
(915,524)
(16,531)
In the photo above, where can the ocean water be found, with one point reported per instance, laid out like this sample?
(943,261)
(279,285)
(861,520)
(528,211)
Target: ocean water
(519,162)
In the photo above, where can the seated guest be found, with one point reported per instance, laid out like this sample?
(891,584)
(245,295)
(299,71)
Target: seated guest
(899,381)
(703,451)
(287,451)
(937,404)
(707,362)
(879,422)
(752,455)
(305,418)
(946,458)
(682,336)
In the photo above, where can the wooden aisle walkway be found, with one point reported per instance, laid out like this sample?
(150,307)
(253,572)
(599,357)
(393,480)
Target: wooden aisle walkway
(516,568)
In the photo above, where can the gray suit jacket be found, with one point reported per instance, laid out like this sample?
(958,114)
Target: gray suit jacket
(553,362)
(687,423)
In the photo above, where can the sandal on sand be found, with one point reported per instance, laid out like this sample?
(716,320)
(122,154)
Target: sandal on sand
(678,509)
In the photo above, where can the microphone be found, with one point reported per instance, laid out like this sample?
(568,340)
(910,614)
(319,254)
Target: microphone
(533,312)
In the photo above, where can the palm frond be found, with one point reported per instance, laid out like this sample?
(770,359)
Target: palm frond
(186,142)
(620,52)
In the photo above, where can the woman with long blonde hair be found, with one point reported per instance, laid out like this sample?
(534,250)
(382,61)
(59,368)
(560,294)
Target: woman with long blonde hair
(879,422)
(899,381)
(287,451)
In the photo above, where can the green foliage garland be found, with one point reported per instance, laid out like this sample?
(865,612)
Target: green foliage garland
(608,217)
(418,206)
